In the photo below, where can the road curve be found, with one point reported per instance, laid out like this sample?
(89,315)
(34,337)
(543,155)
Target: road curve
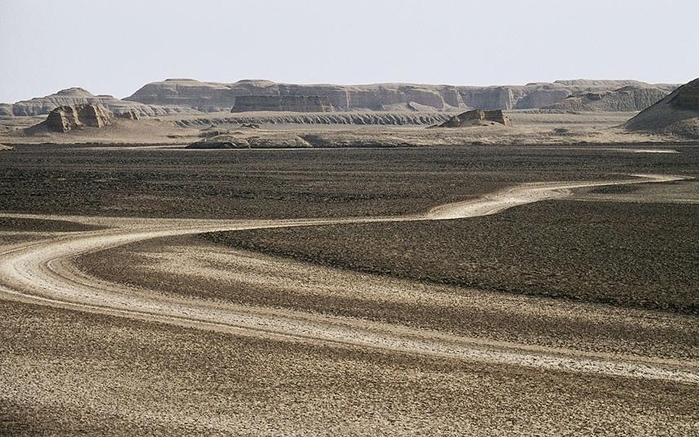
(42,273)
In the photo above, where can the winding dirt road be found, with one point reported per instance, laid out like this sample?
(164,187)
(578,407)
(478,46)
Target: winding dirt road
(42,272)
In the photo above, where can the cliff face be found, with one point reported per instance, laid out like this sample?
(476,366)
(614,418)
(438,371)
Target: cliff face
(67,118)
(210,96)
(187,96)
(677,114)
(282,103)
(624,99)
(78,96)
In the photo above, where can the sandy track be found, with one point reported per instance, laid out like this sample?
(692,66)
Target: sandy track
(41,272)
(528,193)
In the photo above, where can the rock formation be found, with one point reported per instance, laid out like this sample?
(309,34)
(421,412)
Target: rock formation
(131,114)
(626,99)
(477,117)
(322,118)
(67,118)
(79,96)
(187,96)
(677,114)
(210,96)
(282,103)
(5,110)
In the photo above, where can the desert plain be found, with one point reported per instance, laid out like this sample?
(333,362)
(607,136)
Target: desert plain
(323,278)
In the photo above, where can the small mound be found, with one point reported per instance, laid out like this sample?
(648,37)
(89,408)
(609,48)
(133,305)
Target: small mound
(477,117)
(676,114)
(244,141)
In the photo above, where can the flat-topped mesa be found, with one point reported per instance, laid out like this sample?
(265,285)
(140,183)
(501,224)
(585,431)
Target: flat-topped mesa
(282,103)
(67,118)
(477,117)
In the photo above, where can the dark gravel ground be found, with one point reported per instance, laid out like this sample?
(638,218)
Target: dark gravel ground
(39,225)
(293,183)
(69,373)
(628,254)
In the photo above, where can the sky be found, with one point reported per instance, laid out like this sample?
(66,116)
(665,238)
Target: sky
(115,47)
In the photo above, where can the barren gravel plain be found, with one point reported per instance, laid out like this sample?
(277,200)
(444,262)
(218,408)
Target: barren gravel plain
(325,292)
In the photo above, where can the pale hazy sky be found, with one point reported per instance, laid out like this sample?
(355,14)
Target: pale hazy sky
(116,46)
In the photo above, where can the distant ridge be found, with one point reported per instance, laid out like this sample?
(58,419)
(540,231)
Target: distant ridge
(181,95)
(215,96)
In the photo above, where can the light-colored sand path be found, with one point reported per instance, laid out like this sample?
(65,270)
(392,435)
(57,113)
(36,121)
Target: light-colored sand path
(41,272)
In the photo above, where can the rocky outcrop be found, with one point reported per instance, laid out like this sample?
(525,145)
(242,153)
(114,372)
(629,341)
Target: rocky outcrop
(626,99)
(78,96)
(477,117)
(131,114)
(676,114)
(282,103)
(67,118)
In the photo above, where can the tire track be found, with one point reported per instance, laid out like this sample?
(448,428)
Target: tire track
(42,273)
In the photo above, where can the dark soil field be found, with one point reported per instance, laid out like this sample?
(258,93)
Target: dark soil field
(41,225)
(110,181)
(630,254)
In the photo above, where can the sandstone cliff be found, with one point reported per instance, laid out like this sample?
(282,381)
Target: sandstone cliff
(677,114)
(67,118)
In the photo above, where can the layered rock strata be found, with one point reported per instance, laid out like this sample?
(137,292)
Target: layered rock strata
(67,118)
(282,103)
(211,96)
